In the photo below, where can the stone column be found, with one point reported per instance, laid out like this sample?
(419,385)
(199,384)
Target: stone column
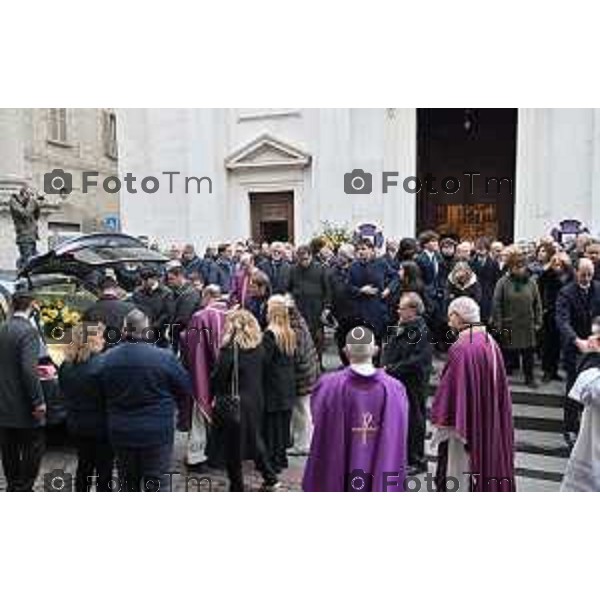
(595,175)
(400,154)
(555,169)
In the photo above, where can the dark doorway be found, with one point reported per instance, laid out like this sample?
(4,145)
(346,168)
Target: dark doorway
(272,216)
(455,141)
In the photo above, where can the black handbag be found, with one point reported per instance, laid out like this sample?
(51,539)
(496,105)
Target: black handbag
(227,408)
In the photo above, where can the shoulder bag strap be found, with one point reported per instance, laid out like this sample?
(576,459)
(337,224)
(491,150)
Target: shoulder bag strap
(235,383)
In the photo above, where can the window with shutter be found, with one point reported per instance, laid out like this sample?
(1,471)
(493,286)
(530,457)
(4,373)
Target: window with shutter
(110,134)
(57,124)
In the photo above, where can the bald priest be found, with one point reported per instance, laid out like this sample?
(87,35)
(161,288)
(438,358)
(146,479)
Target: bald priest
(360,419)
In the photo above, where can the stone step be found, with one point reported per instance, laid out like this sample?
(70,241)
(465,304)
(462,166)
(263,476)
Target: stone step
(541,411)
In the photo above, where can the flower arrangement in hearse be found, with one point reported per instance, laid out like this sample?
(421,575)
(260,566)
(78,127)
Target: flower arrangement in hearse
(56,319)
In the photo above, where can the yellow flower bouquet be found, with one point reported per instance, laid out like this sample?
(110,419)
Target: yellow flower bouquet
(56,318)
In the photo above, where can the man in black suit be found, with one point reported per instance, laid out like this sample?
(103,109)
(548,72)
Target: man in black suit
(429,258)
(488,273)
(109,310)
(433,274)
(22,405)
(576,306)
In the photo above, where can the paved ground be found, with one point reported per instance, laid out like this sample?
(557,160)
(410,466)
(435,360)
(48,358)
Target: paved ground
(541,455)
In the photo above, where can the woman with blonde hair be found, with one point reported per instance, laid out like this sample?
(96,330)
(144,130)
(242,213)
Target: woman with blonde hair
(86,412)
(237,383)
(280,343)
(307,371)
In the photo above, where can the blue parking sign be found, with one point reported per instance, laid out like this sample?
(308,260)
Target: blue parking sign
(111,223)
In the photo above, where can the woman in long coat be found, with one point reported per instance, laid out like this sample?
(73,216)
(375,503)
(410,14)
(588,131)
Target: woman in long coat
(242,437)
(280,343)
(517,315)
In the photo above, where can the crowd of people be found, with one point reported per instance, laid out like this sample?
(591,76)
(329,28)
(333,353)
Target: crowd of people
(237,341)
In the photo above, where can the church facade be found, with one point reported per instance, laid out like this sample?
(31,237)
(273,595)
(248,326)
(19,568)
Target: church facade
(281,173)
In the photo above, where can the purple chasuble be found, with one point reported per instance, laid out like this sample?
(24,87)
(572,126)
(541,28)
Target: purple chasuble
(474,400)
(360,430)
(200,344)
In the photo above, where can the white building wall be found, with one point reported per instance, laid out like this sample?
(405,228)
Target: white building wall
(198,142)
(557,174)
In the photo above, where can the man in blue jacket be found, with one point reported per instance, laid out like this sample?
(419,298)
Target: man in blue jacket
(142,385)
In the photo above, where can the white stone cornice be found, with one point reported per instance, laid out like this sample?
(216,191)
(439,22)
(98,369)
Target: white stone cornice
(267,151)
(260,115)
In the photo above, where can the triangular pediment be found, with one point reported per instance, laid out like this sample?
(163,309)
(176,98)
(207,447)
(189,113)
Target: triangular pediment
(267,151)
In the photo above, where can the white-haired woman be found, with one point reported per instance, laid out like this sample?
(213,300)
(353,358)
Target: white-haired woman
(242,356)
(462,281)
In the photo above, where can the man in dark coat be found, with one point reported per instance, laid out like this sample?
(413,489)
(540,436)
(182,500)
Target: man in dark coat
(226,264)
(25,212)
(309,286)
(488,273)
(343,304)
(576,306)
(434,278)
(142,386)
(205,267)
(186,301)
(278,269)
(407,357)
(22,404)
(554,276)
(109,310)
(156,302)
(370,278)
(429,260)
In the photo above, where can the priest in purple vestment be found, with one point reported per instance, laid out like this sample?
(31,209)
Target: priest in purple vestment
(360,417)
(199,344)
(472,410)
